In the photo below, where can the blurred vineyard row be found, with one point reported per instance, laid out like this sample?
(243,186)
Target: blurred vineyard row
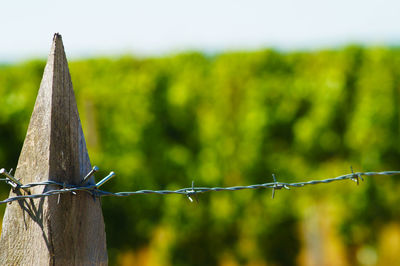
(234,119)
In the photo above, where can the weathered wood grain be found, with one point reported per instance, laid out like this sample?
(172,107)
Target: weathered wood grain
(45,231)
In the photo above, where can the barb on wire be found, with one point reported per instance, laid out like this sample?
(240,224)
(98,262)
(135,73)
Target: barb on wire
(277,186)
(11,180)
(86,178)
(189,192)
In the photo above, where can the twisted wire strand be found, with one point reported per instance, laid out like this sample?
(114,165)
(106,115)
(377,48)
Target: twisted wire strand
(190,191)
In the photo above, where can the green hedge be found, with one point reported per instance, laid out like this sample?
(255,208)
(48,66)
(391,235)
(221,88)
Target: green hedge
(224,120)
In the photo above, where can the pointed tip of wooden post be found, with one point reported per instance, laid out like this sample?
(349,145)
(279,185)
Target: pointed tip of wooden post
(57,41)
(57,35)
(57,38)
(55,142)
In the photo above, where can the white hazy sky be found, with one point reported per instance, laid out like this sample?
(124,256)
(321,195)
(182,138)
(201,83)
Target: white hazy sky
(149,27)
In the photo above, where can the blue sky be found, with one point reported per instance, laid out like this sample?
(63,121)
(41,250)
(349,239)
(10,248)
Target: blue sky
(149,27)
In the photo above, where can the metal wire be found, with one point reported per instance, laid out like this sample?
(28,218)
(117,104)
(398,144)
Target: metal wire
(189,192)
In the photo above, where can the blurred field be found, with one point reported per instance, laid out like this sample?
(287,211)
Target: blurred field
(234,119)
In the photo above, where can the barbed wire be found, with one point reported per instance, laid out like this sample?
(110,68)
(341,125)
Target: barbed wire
(189,192)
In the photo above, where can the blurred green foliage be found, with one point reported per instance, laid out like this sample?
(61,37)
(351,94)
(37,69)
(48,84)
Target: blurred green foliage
(224,120)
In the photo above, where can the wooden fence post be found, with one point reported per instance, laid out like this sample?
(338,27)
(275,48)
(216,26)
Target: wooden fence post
(54,231)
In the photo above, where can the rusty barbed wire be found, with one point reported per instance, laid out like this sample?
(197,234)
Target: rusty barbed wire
(189,192)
